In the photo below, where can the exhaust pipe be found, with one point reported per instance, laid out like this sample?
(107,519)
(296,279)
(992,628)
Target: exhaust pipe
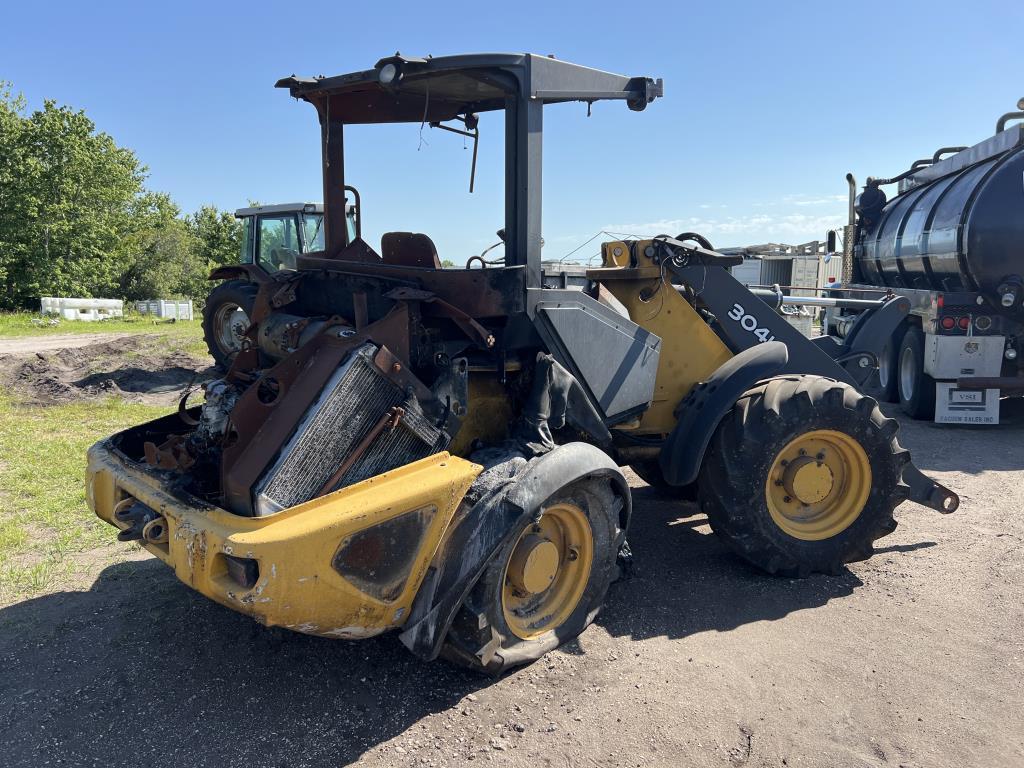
(851,212)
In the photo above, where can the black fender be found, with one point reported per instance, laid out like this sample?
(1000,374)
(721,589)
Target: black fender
(867,337)
(251,272)
(487,525)
(702,409)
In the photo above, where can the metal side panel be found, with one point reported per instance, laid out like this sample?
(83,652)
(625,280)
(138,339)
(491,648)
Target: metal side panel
(614,359)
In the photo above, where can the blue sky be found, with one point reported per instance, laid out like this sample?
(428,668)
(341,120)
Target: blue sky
(767,105)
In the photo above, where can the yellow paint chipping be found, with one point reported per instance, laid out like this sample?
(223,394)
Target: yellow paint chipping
(298,587)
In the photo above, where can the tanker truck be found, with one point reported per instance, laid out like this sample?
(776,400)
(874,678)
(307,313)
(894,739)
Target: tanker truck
(951,240)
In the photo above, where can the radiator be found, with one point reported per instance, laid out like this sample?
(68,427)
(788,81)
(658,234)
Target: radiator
(359,411)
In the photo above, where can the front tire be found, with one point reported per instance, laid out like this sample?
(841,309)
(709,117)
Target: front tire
(226,317)
(916,388)
(802,475)
(544,586)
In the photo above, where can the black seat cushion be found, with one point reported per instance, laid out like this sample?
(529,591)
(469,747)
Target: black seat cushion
(409,249)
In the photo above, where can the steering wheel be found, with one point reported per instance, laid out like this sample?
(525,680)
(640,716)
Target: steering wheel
(700,240)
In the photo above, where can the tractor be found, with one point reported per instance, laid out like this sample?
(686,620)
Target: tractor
(439,452)
(273,236)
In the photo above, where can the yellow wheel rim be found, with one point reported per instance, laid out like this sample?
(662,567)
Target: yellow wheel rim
(818,484)
(548,571)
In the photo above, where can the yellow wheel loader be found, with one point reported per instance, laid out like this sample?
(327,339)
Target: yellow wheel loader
(397,446)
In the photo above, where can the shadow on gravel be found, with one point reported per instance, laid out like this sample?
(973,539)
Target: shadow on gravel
(686,580)
(140,670)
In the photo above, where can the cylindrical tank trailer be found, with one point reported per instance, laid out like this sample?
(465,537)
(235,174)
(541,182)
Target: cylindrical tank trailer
(951,240)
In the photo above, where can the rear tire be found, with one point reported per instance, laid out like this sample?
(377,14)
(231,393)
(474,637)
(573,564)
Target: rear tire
(502,624)
(916,388)
(226,316)
(822,438)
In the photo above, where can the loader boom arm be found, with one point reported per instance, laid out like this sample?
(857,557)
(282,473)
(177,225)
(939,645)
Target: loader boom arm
(746,321)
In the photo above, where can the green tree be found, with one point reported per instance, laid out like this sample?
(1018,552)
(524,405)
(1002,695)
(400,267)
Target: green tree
(218,235)
(67,203)
(14,208)
(76,220)
(160,256)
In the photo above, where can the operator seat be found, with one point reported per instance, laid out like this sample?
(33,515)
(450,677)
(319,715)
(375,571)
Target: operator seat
(409,249)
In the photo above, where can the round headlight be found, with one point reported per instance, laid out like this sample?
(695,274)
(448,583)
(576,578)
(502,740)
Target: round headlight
(388,73)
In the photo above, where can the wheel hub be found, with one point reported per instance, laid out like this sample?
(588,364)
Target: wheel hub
(534,565)
(808,480)
(818,484)
(547,571)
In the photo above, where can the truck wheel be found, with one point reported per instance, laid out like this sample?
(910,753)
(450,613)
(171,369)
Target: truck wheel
(226,318)
(802,475)
(916,388)
(888,381)
(544,586)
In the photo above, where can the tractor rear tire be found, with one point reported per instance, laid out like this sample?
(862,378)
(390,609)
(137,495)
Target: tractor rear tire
(916,388)
(510,618)
(226,315)
(802,476)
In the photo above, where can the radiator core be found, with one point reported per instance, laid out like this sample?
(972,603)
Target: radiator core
(350,405)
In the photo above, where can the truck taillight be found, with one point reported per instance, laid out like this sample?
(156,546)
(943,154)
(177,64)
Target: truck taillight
(948,323)
(964,322)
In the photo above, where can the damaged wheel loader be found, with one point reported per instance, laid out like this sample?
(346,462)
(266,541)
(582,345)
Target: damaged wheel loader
(437,451)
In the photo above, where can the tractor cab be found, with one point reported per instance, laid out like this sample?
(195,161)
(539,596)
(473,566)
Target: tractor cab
(273,236)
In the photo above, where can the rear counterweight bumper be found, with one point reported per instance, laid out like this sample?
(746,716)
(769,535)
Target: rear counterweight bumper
(297,580)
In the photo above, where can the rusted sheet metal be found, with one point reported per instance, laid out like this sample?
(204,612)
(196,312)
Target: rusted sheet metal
(263,420)
(479,293)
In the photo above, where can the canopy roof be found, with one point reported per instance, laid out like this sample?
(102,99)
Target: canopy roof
(403,89)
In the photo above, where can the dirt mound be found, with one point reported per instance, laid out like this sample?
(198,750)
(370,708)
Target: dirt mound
(141,368)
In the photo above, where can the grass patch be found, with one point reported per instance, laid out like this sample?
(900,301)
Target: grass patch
(187,334)
(45,524)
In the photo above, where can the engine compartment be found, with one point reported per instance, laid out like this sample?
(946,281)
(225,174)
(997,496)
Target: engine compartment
(342,376)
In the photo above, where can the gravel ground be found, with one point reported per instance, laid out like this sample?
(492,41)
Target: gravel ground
(29,345)
(913,658)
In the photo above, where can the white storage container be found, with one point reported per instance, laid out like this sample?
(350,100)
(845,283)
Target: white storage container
(82,309)
(179,309)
